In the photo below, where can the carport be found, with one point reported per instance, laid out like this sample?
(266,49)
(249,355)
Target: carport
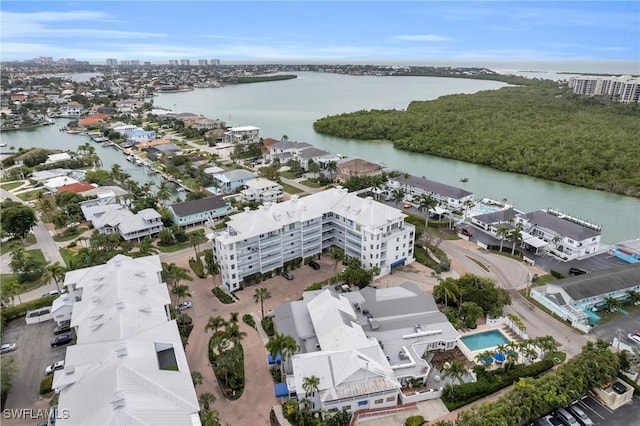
(532,242)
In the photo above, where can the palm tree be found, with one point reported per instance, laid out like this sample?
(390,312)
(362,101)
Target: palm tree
(466,205)
(633,297)
(332,168)
(233,334)
(195,239)
(502,233)
(196,378)
(283,345)
(259,296)
(314,168)
(612,304)
(398,195)
(448,288)
(338,255)
(310,386)
(234,317)
(426,202)
(163,193)
(455,370)
(116,173)
(146,247)
(180,292)
(206,399)
(284,138)
(214,324)
(464,181)
(175,274)
(54,272)
(515,235)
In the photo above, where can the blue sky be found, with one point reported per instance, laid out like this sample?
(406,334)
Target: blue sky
(326,30)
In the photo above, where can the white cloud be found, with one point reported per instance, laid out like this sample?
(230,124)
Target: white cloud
(422,37)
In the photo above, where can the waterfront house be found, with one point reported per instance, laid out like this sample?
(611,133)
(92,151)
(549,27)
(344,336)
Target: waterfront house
(285,150)
(200,122)
(575,299)
(163,150)
(313,154)
(56,158)
(43,175)
(197,212)
(72,109)
(363,345)
(260,241)
(243,135)
(231,180)
(153,142)
(357,167)
(567,237)
(145,222)
(54,183)
(262,190)
(139,135)
(449,197)
(110,217)
(126,342)
(492,221)
(78,188)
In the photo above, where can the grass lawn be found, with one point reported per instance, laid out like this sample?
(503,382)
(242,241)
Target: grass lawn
(174,247)
(523,293)
(36,254)
(291,189)
(11,185)
(67,255)
(311,184)
(289,175)
(30,195)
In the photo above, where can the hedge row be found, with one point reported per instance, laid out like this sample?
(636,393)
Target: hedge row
(491,382)
(13,312)
(222,296)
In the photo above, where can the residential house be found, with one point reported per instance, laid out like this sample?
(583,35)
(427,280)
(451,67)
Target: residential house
(128,344)
(116,218)
(492,221)
(196,212)
(56,158)
(242,135)
(286,150)
(260,241)
(449,197)
(230,180)
(363,345)
(575,299)
(153,142)
(72,109)
(44,175)
(139,135)
(93,120)
(167,150)
(569,238)
(313,154)
(200,122)
(54,183)
(357,167)
(262,190)
(78,188)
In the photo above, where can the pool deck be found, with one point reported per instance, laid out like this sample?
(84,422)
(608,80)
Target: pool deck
(471,355)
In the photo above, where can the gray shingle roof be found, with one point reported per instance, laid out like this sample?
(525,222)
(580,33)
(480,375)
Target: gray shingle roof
(561,226)
(434,187)
(600,282)
(499,216)
(187,208)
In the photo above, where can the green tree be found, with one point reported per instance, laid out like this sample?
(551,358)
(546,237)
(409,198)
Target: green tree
(502,233)
(515,235)
(447,289)
(55,272)
(180,292)
(259,296)
(398,195)
(332,169)
(206,399)
(214,324)
(455,370)
(7,373)
(195,239)
(426,203)
(17,219)
(196,378)
(338,256)
(464,181)
(314,168)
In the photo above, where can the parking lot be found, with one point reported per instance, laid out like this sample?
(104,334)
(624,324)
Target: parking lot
(627,415)
(33,354)
(626,323)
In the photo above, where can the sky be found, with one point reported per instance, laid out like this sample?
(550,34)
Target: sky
(320,30)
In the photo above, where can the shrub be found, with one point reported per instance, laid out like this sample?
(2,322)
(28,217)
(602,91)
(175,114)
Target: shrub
(248,319)
(267,325)
(414,421)
(557,274)
(222,296)
(197,267)
(46,384)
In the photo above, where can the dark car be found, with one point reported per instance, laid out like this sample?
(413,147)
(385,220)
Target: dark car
(619,388)
(62,328)
(315,265)
(466,231)
(576,271)
(288,275)
(61,339)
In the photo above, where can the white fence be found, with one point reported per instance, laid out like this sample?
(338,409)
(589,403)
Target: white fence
(419,396)
(39,315)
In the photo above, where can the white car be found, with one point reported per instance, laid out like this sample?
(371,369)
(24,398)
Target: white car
(634,337)
(184,305)
(54,367)
(8,347)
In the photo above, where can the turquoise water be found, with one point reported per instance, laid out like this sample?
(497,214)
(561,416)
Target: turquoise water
(484,340)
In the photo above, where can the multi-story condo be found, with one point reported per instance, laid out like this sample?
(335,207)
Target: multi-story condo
(215,62)
(449,197)
(185,62)
(242,135)
(624,88)
(112,62)
(203,62)
(260,241)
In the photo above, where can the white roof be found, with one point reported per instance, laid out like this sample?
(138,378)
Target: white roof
(270,217)
(59,181)
(43,175)
(138,221)
(105,215)
(121,382)
(261,183)
(54,158)
(244,128)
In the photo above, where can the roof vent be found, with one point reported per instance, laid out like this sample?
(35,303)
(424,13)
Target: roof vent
(120,304)
(143,289)
(121,349)
(118,400)
(69,369)
(146,308)
(96,299)
(140,274)
(117,262)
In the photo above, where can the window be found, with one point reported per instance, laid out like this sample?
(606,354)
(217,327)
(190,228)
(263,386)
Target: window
(233,276)
(378,401)
(231,257)
(233,266)
(391,399)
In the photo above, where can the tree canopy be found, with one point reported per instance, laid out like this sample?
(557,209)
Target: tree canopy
(538,129)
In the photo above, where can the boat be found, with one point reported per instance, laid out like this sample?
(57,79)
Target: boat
(2,145)
(50,121)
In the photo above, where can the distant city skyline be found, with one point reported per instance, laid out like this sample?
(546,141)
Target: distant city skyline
(320,31)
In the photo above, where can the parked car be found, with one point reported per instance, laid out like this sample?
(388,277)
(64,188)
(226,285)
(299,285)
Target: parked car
(184,305)
(580,415)
(315,265)
(61,339)
(408,205)
(288,275)
(619,388)
(63,328)
(54,367)
(566,417)
(634,337)
(555,421)
(8,347)
(542,421)
(466,231)
(577,271)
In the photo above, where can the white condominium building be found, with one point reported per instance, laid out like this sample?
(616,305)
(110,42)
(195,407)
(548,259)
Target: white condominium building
(260,241)
(243,135)
(626,89)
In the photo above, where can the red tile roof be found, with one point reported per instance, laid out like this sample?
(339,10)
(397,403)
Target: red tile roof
(76,187)
(269,141)
(92,119)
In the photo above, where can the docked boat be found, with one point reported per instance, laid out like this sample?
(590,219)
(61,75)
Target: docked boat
(2,145)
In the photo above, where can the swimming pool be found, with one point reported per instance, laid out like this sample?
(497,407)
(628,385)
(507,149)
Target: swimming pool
(484,340)
(482,209)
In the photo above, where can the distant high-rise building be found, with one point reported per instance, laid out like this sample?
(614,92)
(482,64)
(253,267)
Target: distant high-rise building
(203,62)
(173,62)
(125,63)
(185,62)
(147,63)
(134,62)
(44,60)
(112,62)
(214,62)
